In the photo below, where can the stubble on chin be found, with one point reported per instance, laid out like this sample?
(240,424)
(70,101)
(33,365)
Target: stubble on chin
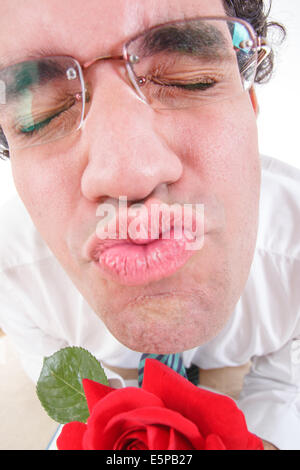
(167,323)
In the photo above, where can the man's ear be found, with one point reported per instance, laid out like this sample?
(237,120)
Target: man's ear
(254,101)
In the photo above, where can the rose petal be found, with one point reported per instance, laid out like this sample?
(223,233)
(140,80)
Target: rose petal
(132,439)
(178,442)
(71,436)
(162,437)
(158,436)
(94,392)
(254,442)
(155,417)
(136,446)
(212,413)
(113,404)
(214,442)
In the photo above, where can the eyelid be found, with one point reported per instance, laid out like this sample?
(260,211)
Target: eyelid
(56,111)
(192,86)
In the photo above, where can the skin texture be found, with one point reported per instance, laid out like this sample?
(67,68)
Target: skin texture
(126,148)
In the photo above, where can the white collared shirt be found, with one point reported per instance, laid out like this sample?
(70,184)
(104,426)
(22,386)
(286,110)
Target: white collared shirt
(42,311)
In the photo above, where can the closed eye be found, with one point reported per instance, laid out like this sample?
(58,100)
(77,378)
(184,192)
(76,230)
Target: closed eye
(187,86)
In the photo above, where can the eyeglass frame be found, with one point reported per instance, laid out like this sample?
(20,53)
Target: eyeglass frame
(260,44)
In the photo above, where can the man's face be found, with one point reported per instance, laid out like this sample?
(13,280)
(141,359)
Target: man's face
(126,148)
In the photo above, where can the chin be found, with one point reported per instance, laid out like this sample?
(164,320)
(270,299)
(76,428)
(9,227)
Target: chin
(168,323)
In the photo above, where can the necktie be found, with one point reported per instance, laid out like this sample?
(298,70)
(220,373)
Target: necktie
(172,360)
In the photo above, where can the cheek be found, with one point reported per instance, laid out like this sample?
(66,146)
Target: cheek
(50,191)
(220,146)
(219,150)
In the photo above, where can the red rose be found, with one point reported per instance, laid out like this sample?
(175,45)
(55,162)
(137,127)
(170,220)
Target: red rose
(167,413)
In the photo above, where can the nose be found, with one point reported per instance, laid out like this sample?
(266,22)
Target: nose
(125,151)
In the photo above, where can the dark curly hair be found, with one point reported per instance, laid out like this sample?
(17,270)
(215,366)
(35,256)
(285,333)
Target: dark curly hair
(256,13)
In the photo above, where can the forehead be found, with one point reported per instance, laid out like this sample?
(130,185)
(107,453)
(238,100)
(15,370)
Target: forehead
(85,29)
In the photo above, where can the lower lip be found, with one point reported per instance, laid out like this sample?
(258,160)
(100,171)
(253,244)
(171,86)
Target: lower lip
(132,264)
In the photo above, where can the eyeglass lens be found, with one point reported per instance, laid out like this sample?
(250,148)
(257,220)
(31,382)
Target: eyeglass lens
(44,101)
(186,64)
(193,63)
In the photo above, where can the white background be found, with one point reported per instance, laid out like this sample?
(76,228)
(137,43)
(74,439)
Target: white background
(278,122)
(279,100)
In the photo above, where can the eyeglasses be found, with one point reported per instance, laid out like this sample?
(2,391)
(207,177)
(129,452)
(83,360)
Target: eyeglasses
(178,65)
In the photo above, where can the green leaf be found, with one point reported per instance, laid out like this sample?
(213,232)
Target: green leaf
(59,387)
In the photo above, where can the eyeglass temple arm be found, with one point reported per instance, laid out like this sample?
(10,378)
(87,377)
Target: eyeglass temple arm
(263,50)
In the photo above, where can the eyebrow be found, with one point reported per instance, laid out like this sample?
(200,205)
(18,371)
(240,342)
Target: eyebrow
(27,55)
(193,38)
(25,74)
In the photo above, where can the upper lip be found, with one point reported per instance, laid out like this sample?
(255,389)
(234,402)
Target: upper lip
(95,246)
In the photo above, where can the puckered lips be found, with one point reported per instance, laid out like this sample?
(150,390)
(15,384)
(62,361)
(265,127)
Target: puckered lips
(141,258)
